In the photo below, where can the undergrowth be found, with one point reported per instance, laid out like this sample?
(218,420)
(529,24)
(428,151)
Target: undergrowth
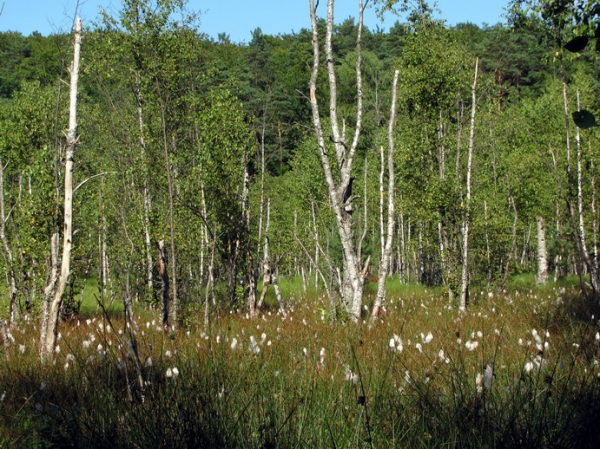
(518,370)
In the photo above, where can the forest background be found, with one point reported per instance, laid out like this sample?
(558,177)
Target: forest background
(201,153)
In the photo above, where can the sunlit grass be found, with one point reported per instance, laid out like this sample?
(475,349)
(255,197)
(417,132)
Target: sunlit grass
(517,370)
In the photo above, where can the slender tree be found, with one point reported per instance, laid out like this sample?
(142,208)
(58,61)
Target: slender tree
(55,288)
(464,290)
(386,249)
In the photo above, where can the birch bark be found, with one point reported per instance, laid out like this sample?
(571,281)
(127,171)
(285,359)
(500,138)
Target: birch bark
(339,186)
(542,253)
(464,288)
(56,287)
(386,254)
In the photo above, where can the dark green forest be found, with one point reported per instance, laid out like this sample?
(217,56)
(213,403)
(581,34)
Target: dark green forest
(209,147)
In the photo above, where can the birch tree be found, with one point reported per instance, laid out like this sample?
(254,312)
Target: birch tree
(464,289)
(57,283)
(386,243)
(337,165)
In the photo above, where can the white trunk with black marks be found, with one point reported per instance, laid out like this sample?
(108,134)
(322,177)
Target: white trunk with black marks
(339,186)
(387,238)
(56,289)
(464,286)
(542,252)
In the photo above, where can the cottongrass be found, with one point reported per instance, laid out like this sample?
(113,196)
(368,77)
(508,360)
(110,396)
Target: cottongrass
(320,384)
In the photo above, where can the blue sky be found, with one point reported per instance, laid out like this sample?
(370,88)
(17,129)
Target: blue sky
(237,18)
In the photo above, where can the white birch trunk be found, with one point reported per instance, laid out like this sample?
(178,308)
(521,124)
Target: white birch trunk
(464,287)
(339,186)
(589,260)
(54,300)
(386,253)
(542,253)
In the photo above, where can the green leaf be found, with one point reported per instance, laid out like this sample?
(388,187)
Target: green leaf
(577,44)
(584,119)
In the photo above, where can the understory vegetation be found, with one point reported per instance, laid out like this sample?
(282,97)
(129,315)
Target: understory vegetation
(520,369)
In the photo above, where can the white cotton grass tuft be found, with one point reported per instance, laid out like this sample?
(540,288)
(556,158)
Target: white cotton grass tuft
(442,357)
(172,373)
(349,376)
(471,345)
(396,344)
(427,338)
(254,348)
(322,357)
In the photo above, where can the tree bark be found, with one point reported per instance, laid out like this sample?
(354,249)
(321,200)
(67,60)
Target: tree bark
(387,240)
(542,253)
(164,275)
(590,261)
(54,299)
(464,288)
(339,186)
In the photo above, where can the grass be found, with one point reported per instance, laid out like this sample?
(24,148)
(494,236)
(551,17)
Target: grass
(518,370)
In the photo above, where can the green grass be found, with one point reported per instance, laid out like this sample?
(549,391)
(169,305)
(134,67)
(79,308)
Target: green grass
(282,392)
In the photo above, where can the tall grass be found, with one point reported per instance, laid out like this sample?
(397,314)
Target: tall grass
(519,370)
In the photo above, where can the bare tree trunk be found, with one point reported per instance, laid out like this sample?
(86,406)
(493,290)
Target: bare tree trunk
(386,253)
(50,332)
(174,303)
(164,274)
(340,187)
(464,289)
(252,305)
(589,260)
(488,251)
(12,289)
(267,268)
(146,193)
(542,253)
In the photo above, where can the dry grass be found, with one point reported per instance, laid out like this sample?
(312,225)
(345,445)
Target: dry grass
(517,370)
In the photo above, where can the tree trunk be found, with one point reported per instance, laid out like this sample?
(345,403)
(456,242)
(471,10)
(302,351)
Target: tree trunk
(588,259)
(386,250)
(542,253)
(464,288)
(12,289)
(164,275)
(56,290)
(340,186)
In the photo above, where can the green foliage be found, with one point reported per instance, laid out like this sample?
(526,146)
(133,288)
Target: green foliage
(161,102)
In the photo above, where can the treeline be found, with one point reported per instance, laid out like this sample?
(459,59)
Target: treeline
(201,154)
